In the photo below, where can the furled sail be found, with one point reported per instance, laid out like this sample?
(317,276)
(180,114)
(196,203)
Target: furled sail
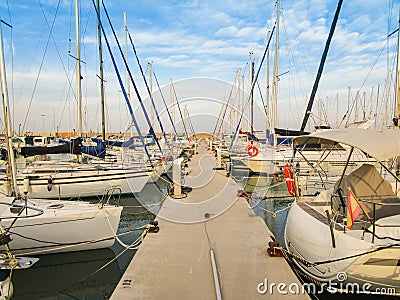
(74,147)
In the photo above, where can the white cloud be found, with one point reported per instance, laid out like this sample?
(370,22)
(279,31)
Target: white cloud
(202,38)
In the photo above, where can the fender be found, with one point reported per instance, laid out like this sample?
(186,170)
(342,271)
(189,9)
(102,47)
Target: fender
(289,179)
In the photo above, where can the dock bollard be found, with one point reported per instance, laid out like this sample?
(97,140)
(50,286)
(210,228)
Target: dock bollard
(219,159)
(211,145)
(177,176)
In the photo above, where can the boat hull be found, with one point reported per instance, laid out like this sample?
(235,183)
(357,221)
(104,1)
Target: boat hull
(307,237)
(70,226)
(79,184)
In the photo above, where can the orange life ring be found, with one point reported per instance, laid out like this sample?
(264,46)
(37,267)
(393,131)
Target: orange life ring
(289,179)
(248,147)
(252,151)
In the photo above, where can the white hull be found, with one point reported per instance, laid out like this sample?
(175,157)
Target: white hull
(68,226)
(311,239)
(77,183)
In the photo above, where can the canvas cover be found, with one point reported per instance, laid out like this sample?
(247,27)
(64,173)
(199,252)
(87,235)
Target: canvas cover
(368,185)
(381,145)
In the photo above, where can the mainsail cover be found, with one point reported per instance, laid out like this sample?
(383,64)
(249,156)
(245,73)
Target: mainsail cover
(75,147)
(126,144)
(97,151)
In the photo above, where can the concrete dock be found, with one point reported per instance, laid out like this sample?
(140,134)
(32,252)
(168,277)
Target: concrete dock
(175,263)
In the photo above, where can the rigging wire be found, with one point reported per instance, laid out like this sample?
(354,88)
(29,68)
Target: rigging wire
(41,63)
(123,87)
(70,85)
(165,103)
(252,86)
(148,90)
(349,111)
(222,118)
(191,125)
(132,81)
(180,111)
(224,109)
(293,65)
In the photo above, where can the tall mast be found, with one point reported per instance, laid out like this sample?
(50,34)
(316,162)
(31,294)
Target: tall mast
(321,67)
(275,75)
(171,94)
(397,96)
(103,117)
(238,109)
(11,157)
(356,107)
(150,70)
(78,69)
(251,79)
(267,92)
(243,101)
(128,83)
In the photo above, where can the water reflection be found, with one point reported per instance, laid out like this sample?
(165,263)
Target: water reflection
(67,275)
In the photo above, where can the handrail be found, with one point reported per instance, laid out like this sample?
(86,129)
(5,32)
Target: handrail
(373,219)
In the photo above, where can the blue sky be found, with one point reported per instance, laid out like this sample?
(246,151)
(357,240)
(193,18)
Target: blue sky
(191,39)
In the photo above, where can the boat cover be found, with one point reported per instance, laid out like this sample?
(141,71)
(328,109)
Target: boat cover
(75,147)
(369,187)
(381,145)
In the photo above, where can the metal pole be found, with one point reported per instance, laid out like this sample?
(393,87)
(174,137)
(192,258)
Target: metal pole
(11,157)
(78,69)
(101,76)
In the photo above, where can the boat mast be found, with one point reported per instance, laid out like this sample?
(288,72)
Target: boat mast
(321,67)
(78,69)
(238,109)
(101,76)
(397,96)
(4,92)
(275,75)
(172,110)
(267,92)
(251,79)
(128,84)
(243,100)
(152,112)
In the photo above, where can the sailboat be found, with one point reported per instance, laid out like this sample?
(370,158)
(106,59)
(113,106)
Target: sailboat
(49,226)
(64,180)
(347,236)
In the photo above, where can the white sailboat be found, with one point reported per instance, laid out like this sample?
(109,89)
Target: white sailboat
(347,237)
(49,226)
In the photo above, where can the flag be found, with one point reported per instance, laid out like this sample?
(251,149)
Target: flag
(353,209)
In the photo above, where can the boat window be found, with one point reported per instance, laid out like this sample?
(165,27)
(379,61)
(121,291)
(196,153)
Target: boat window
(55,206)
